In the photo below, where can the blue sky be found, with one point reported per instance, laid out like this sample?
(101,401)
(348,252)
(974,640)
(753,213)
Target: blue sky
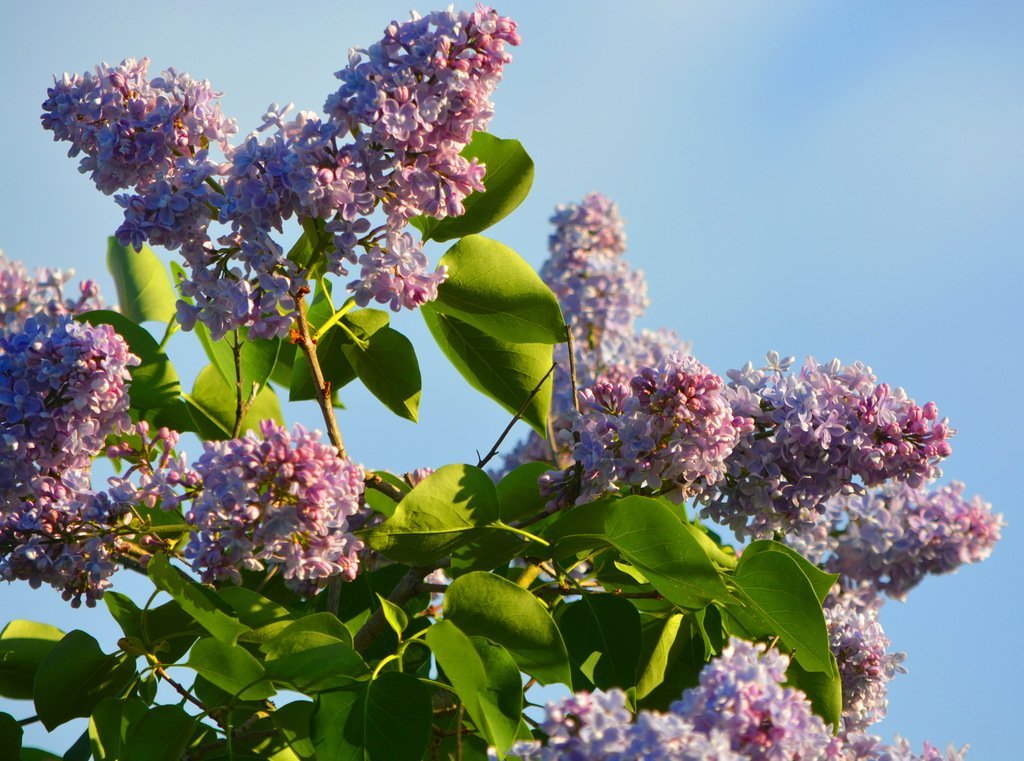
(821,179)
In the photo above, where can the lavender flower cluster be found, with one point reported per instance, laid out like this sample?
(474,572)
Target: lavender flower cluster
(282,500)
(740,711)
(406,108)
(669,430)
(40,295)
(892,537)
(817,433)
(601,297)
(63,390)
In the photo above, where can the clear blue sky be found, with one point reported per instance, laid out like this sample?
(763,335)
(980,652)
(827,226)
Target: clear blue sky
(818,178)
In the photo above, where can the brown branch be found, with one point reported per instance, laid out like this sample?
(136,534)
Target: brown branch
(375,482)
(572,367)
(160,672)
(236,350)
(515,419)
(303,338)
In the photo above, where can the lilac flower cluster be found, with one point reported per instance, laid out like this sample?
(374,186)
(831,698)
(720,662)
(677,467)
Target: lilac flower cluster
(128,128)
(890,538)
(280,500)
(740,711)
(817,433)
(406,108)
(40,295)
(669,430)
(860,646)
(63,390)
(601,297)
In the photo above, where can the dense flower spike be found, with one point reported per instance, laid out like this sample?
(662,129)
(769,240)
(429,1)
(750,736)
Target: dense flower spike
(817,433)
(861,648)
(892,537)
(63,391)
(129,129)
(601,298)
(282,500)
(40,295)
(740,711)
(669,431)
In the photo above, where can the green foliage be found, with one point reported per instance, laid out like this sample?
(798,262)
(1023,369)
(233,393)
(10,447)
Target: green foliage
(508,178)
(144,290)
(509,373)
(257,357)
(196,600)
(384,719)
(233,669)
(485,605)
(486,679)
(603,637)
(213,405)
(24,645)
(491,288)
(76,675)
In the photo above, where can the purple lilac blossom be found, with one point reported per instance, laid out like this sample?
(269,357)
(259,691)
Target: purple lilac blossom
(63,391)
(861,647)
(129,129)
(819,432)
(741,710)
(283,500)
(894,536)
(40,295)
(601,298)
(669,431)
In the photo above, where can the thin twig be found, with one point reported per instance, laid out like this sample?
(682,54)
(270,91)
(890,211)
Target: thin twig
(160,672)
(572,367)
(236,350)
(303,338)
(375,482)
(515,419)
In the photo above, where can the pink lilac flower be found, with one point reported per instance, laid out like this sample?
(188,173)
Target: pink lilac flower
(283,500)
(669,431)
(40,295)
(129,129)
(861,649)
(818,433)
(894,536)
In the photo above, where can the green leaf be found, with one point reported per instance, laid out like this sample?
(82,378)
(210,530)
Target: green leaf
(199,602)
(490,287)
(506,372)
(293,722)
(35,754)
(212,403)
(310,661)
(519,493)
(155,382)
(820,581)
(166,630)
(308,251)
(162,734)
(321,623)
(445,510)
(80,750)
(144,290)
(257,356)
(673,657)
(825,690)
(231,668)
(251,608)
(507,181)
(780,601)
(649,536)
(486,605)
(110,724)
(387,719)
(603,637)
(23,646)
(75,676)
(397,618)
(386,365)
(10,736)
(486,679)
